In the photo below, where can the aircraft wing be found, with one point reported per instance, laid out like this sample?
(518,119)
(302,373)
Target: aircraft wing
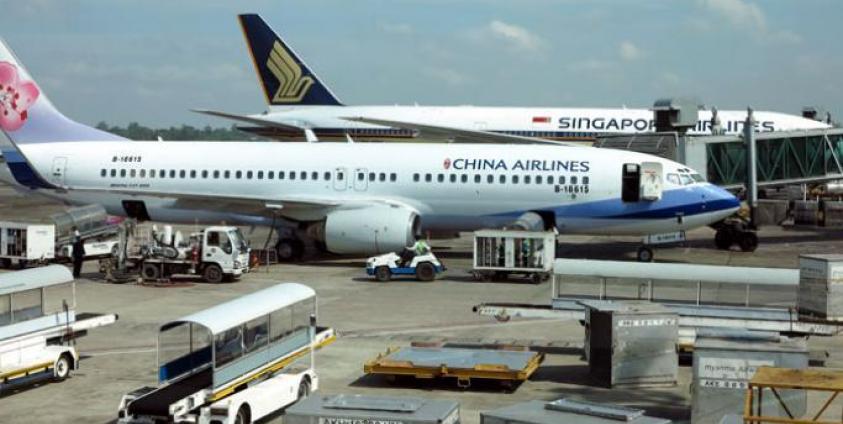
(459,134)
(250,119)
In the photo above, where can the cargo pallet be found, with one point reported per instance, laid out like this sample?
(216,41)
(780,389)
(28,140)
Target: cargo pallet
(507,366)
(776,379)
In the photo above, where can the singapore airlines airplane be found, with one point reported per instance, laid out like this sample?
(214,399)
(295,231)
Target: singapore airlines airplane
(302,107)
(354,198)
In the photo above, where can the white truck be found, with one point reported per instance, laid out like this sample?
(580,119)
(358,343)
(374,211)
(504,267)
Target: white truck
(23,243)
(217,254)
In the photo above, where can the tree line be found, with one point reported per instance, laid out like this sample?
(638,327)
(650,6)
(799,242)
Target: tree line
(136,131)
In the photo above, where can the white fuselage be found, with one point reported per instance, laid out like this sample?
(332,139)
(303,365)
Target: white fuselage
(328,122)
(452,187)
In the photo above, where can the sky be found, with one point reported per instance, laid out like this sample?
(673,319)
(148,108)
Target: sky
(151,61)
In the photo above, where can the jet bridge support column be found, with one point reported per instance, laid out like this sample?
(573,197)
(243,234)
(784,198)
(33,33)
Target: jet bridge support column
(751,168)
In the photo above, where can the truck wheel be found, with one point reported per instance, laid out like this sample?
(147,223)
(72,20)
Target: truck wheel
(213,274)
(536,278)
(748,241)
(425,271)
(150,272)
(383,274)
(304,390)
(242,416)
(723,239)
(61,369)
(5,263)
(645,254)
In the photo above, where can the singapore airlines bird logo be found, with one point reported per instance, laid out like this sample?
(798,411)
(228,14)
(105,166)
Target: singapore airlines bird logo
(292,86)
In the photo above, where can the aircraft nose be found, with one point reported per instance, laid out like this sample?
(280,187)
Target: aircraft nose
(720,199)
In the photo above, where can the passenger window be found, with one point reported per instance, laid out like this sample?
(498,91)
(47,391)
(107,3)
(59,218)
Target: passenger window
(228,345)
(280,175)
(113,172)
(204,173)
(428,178)
(514,179)
(192,173)
(238,174)
(490,178)
(123,173)
(538,179)
(453,178)
(585,180)
(142,173)
(561,179)
(227,174)
(574,179)
(249,175)
(132,173)
(382,177)
(151,173)
(260,175)
(162,173)
(292,175)
(502,179)
(280,323)
(270,175)
(550,180)
(393,177)
(361,176)
(340,176)
(216,174)
(416,178)
(303,175)
(477,178)
(327,176)
(314,176)
(173,173)
(256,334)
(102,172)
(527,179)
(440,178)
(464,178)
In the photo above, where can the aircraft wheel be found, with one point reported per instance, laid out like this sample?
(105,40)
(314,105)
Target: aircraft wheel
(425,271)
(383,274)
(645,254)
(289,249)
(723,239)
(748,241)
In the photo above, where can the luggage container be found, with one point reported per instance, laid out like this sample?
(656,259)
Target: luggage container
(567,411)
(499,254)
(821,286)
(631,343)
(353,409)
(723,365)
(832,214)
(23,243)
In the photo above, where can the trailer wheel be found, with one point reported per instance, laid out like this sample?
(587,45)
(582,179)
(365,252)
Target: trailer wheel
(213,274)
(5,263)
(425,271)
(723,239)
(150,272)
(536,278)
(645,254)
(304,390)
(748,241)
(61,369)
(383,274)
(243,415)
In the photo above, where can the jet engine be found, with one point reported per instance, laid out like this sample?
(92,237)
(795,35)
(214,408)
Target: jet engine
(373,229)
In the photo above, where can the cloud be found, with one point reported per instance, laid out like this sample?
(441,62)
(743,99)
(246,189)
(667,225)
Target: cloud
(629,51)
(396,28)
(590,65)
(515,35)
(446,75)
(738,12)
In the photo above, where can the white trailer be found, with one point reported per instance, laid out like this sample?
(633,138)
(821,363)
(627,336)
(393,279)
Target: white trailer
(499,254)
(37,315)
(23,243)
(236,362)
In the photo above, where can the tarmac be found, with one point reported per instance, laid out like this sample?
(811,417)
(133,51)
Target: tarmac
(370,317)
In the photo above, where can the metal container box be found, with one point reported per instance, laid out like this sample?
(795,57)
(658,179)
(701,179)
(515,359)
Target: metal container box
(631,343)
(832,214)
(566,411)
(352,409)
(724,364)
(806,212)
(821,286)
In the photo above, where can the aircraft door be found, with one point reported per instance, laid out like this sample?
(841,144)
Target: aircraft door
(361,183)
(59,170)
(631,182)
(652,181)
(340,179)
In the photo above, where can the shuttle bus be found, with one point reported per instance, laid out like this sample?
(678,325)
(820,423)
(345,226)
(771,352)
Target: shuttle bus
(236,362)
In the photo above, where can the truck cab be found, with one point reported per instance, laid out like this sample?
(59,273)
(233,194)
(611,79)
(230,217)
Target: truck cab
(223,249)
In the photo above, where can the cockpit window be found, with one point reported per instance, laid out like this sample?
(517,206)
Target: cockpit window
(685,179)
(673,179)
(697,178)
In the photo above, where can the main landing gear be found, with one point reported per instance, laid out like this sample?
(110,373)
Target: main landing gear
(289,249)
(734,232)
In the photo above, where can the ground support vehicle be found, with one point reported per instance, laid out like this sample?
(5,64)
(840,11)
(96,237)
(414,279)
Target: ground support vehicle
(424,267)
(500,254)
(37,318)
(216,254)
(236,362)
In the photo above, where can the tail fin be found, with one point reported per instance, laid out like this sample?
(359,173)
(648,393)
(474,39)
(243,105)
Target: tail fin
(286,80)
(27,115)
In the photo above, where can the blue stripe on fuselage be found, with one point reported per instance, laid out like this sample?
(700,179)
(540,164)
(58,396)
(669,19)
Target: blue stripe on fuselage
(23,173)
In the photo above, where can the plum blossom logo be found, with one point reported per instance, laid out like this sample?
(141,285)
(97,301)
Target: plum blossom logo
(16,97)
(447,164)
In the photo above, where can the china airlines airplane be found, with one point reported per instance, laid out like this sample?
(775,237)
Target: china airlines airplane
(350,198)
(302,107)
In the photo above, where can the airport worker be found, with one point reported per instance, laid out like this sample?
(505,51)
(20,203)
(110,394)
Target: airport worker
(78,253)
(421,247)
